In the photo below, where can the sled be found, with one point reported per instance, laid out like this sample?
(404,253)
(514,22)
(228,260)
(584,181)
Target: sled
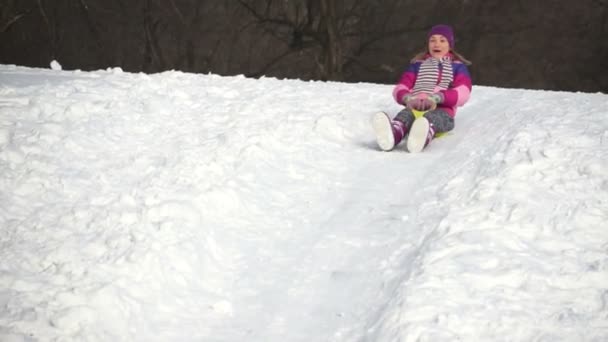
(419,113)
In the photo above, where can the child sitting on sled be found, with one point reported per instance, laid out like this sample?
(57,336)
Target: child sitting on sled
(436,82)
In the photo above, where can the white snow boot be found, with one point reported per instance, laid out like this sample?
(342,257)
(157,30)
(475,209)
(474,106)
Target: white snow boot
(389,132)
(420,136)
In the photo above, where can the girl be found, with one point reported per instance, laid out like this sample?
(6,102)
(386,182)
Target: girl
(436,81)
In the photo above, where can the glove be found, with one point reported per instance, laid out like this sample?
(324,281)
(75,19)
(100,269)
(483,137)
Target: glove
(421,102)
(436,97)
(406,99)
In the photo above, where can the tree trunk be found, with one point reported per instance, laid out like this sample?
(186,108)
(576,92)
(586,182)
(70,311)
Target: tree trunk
(332,45)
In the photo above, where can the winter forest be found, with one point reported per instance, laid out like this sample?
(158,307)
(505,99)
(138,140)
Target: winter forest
(553,45)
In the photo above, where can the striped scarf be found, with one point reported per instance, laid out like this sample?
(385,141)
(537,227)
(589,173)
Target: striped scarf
(429,73)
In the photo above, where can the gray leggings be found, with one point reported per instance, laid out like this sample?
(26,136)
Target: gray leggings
(440,119)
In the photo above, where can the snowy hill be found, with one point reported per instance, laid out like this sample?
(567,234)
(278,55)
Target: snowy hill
(182,207)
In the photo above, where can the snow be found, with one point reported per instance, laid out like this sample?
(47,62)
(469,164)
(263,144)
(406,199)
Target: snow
(185,207)
(55,65)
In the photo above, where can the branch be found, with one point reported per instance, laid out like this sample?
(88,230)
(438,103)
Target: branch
(13,20)
(46,19)
(265,19)
(268,65)
(95,32)
(52,32)
(179,13)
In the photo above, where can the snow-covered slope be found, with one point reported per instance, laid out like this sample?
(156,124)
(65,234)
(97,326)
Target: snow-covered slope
(182,207)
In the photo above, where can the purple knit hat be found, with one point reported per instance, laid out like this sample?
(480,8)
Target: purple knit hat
(444,30)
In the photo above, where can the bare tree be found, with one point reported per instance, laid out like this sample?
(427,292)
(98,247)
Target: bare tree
(153,55)
(348,40)
(9,14)
(335,35)
(51,26)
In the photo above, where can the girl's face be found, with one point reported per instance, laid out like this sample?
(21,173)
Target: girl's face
(438,46)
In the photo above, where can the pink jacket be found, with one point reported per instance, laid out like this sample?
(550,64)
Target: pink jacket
(456,95)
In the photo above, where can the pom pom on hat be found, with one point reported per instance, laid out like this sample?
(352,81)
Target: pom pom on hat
(444,30)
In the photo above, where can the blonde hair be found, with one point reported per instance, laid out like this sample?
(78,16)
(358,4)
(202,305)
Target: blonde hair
(420,56)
